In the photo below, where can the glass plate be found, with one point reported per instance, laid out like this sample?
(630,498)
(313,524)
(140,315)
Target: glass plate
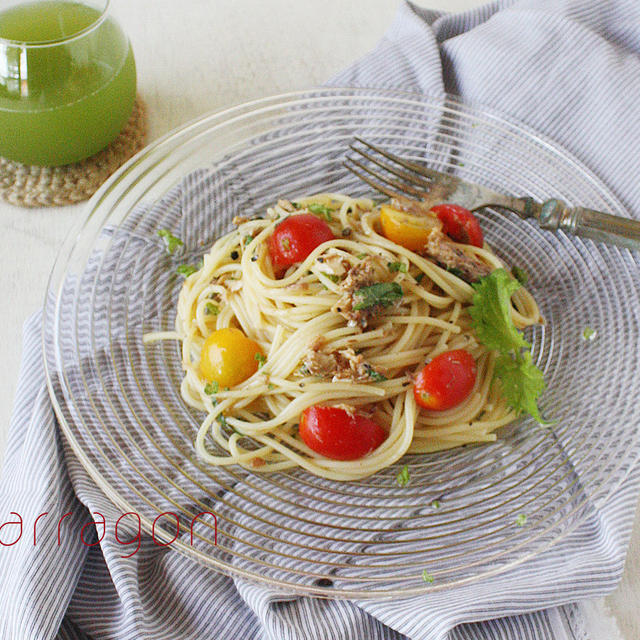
(461,516)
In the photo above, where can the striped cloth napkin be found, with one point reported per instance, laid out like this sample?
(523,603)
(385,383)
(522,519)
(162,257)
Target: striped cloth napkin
(568,68)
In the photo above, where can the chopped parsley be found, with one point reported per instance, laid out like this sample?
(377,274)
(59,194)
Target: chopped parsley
(456,272)
(419,278)
(376,376)
(261,358)
(332,276)
(397,266)
(211,388)
(212,309)
(186,270)
(382,294)
(402,479)
(286,244)
(427,577)
(247,240)
(171,242)
(521,519)
(360,256)
(435,504)
(589,333)
(321,210)
(522,382)
(223,422)
(520,275)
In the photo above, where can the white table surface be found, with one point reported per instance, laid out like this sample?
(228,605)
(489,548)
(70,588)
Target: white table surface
(196,56)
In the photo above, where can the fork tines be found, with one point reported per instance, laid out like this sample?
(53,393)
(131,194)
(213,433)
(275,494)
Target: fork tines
(416,182)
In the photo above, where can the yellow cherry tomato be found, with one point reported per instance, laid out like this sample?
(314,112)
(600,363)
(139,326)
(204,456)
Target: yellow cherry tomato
(228,357)
(405,229)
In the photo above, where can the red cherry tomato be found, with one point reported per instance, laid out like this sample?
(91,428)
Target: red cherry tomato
(459,224)
(295,238)
(446,381)
(335,433)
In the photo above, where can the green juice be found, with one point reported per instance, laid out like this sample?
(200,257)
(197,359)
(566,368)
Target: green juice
(67,92)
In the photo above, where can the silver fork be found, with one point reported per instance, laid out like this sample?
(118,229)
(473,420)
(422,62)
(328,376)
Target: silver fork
(396,177)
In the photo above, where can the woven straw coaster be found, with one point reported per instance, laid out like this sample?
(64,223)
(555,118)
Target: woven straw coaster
(31,186)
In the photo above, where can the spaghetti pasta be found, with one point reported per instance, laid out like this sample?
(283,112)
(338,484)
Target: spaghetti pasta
(298,322)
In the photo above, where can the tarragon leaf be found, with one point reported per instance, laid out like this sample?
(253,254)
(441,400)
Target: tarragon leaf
(171,242)
(382,294)
(402,479)
(397,266)
(321,210)
(186,270)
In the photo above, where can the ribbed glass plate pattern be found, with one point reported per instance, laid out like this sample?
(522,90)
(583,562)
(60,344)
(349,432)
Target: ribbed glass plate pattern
(119,402)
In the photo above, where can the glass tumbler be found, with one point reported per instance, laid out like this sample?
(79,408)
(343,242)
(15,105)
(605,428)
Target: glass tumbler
(67,80)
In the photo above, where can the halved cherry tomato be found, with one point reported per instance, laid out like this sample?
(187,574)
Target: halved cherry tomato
(446,381)
(295,238)
(407,230)
(228,357)
(335,433)
(459,224)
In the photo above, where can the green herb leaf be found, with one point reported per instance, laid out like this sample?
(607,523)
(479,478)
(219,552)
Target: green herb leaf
(376,376)
(332,276)
(286,244)
(427,577)
(397,266)
(589,333)
(186,270)
(419,278)
(456,272)
(212,309)
(222,420)
(521,519)
(321,210)
(522,383)
(520,275)
(435,504)
(211,388)
(247,240)
(491,312)
(402,479)
(171,242)
(381,294)
(261,358)
(361,256)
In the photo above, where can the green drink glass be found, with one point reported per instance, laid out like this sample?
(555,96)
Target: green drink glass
(67,80)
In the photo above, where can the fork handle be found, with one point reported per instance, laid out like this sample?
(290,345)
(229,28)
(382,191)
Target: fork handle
(589,223)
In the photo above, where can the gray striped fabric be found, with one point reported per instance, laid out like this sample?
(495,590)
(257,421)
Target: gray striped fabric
(568,68)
